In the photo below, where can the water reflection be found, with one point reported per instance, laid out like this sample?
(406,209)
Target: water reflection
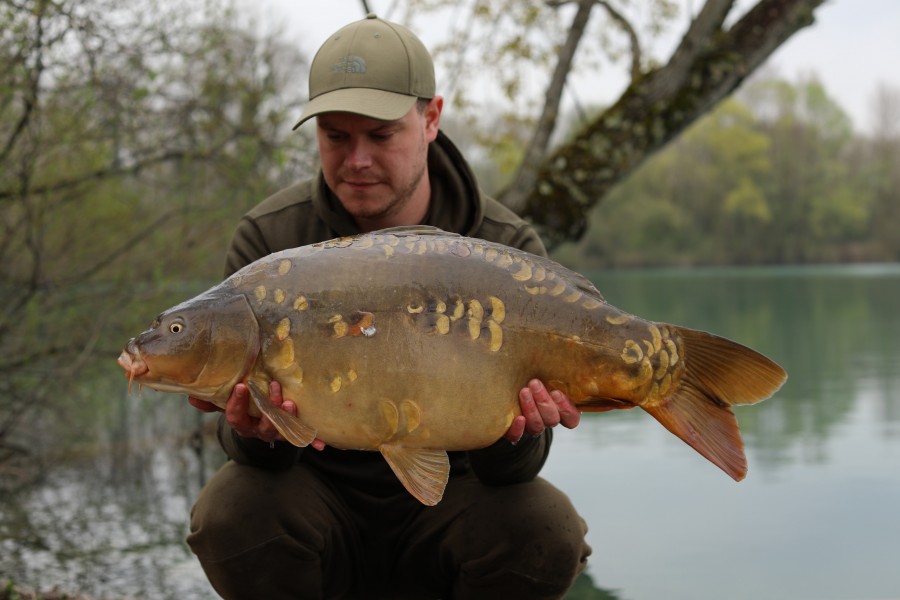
(816,517)
(109,517)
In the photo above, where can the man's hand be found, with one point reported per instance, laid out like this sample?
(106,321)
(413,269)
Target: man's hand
(541,409)
(237,413)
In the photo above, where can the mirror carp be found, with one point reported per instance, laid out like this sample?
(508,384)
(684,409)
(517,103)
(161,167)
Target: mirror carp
(414,342)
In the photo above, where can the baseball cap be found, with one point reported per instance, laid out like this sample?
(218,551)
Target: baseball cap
(371,67)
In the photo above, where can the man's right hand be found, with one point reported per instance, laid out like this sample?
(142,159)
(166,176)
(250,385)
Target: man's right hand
(237,413)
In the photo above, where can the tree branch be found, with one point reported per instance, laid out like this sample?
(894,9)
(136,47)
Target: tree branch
(634,42)
(654,110)
(113,170)
(703,28)
(30,98)
(526,175)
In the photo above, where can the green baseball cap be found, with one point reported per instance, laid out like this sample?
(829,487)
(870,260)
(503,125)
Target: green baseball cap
(372,67)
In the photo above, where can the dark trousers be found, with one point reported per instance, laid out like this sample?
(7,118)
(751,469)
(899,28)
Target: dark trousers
(291,535)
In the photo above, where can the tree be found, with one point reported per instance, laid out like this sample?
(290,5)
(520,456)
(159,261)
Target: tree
(772,175)
(710,180)
(556,188)
(128,134)
(884,161)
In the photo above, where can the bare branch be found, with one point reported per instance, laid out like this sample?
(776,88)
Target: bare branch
(30,96)
(114,170)
(526,175)
(123,248)
(698,37)
(622,22)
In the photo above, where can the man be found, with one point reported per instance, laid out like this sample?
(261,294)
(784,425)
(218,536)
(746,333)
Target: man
(283,522)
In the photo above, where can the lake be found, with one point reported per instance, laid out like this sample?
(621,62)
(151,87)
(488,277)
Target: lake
(818,516)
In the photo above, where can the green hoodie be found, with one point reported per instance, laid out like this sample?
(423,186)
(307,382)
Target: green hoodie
(309,212)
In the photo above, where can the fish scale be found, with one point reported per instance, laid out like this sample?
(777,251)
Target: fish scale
(414,342)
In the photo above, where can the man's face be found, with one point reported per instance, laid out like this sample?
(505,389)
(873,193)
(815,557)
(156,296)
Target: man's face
(378,169)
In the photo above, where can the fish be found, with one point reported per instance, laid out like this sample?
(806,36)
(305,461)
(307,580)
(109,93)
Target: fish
(414,342)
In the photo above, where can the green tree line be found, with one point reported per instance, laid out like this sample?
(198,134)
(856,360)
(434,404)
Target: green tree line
(774,175)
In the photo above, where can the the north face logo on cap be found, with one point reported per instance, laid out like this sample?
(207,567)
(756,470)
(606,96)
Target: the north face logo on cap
(349,64)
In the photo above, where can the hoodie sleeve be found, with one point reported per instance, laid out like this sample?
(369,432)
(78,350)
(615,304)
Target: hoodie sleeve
(247,245)
(253,452)
(504,463)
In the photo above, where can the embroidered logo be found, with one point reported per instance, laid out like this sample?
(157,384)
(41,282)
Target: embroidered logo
(349,64)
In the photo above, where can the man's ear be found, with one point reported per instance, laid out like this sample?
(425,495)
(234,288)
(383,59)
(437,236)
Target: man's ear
(432,114)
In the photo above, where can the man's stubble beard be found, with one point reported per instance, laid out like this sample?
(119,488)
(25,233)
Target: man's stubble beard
(403,196)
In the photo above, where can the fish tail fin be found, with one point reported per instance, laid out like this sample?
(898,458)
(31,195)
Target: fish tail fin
(718,373)
(728,371)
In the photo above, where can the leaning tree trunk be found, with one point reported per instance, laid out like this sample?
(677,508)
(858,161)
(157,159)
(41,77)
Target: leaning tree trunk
(709,64)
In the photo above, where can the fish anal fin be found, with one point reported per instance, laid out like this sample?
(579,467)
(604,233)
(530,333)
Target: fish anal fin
(290,427)
(424,473)
(709,428)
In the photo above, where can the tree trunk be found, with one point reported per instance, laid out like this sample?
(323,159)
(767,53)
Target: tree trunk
(709,64)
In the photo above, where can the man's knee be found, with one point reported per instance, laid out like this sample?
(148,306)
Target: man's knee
(527,537)
(244,507)
(271,534)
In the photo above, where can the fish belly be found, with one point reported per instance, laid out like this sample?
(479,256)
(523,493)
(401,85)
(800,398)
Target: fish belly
(407,388)
(427,340)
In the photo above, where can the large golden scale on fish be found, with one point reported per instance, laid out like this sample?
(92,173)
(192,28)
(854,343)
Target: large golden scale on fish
(414,342)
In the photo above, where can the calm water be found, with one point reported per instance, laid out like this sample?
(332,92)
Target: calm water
(818,516)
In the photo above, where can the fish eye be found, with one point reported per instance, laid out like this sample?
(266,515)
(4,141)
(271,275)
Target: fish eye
(176,327)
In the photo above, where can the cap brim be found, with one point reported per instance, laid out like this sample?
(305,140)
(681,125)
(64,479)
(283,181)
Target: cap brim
(376,104)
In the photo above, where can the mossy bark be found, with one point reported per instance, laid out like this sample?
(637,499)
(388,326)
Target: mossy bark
(710,63)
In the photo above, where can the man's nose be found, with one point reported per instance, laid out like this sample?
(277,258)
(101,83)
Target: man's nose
(359,155)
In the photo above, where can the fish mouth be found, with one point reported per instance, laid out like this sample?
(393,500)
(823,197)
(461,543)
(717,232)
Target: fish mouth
(133,364)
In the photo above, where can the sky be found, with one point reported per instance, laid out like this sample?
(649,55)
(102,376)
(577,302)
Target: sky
(853,47)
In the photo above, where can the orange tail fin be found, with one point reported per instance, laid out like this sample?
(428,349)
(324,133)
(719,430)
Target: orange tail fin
(718,373)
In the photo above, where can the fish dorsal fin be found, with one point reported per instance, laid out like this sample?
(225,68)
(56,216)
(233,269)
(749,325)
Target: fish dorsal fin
(422,472)
(292,428)
(417,230)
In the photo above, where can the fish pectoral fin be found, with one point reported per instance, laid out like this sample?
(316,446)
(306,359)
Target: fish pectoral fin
(424,473)
(292,428)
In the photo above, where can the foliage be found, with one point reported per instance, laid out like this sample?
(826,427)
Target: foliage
(131,137)
(506,48)
(585,588)
(772,176)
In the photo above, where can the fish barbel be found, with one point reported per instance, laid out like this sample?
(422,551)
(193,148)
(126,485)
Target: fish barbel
(414,342)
